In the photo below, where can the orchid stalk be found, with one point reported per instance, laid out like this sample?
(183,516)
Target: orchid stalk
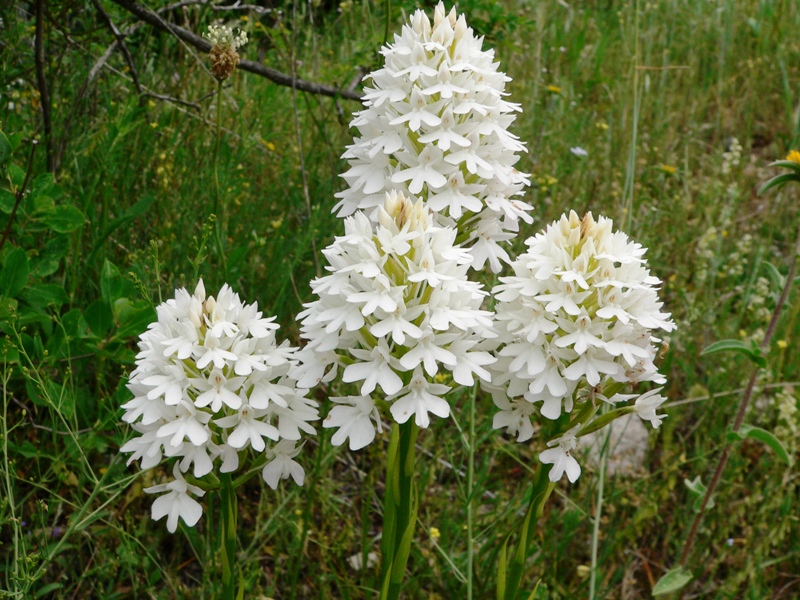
(211,386)
(576,327)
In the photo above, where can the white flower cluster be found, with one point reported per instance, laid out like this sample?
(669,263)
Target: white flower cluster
(395,308)
(226,37)
(576,316)
(210,381)
(435,127)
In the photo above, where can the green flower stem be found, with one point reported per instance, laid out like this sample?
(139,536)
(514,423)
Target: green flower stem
(471,491)
(400,509)
(509,577)
(227,537)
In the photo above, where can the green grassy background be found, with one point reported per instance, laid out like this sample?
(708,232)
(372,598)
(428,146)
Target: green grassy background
(655,92)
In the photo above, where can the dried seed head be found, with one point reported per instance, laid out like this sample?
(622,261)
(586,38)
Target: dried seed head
(224,57)
(223,61)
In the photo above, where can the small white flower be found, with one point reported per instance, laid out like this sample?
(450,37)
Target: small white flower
(357,418)
(281,465)
(646,405)
(578,151)
(558,455)
(177,503)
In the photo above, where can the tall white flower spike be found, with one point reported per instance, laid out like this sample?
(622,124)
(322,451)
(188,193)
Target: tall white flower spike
(435,127)
(395,312)
(576,323)
(210,382)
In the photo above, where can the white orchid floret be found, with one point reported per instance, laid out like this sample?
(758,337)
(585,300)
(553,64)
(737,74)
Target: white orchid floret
(177,502)
(578,315)
(435,126)
(395,311)
(558,455)
(210,382)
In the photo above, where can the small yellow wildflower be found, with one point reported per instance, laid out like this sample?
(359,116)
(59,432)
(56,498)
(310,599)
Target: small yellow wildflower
(298,512)
(669,169)
(554,88)
(782,344)
(435,533)
(154,125)
(794,156)
(276,223)
(151,104)
(602,125)
(270,146)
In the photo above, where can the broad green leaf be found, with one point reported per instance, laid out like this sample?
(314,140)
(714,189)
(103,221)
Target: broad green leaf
(132,317)
(50,257)
(15,273)
(40,205)
(750,350)
(64,218)
(15,139)
(7,201)
(672,581)
(99,318)
(764,436)
(5,149)
(45,295)
(110,282)
(8,351)
(17,174)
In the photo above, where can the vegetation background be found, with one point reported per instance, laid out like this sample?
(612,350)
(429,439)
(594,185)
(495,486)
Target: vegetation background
(680,106)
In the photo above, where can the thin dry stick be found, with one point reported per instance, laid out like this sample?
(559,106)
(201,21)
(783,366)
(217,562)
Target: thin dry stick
(41,80)
(121,43)
(687,548)
(256,68)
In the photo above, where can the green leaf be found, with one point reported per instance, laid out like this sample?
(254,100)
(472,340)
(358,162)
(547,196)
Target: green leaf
(132,317)
(45,295)
(778,280)
(15,139)
(99,318)
(672,581)
(5,149)
(7,201)
(64,218)
(779,180)
(16,174)
(15,273)
(698,489)
(50,257)
(764,436)
(750,350)
(110,282)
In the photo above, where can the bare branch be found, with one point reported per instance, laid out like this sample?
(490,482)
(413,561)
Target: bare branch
(171,99)
(148,16)
(121,43)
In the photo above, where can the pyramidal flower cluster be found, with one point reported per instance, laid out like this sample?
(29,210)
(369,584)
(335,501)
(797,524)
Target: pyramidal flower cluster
(210,382)
(435,127)
(395,310)
(575,320)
